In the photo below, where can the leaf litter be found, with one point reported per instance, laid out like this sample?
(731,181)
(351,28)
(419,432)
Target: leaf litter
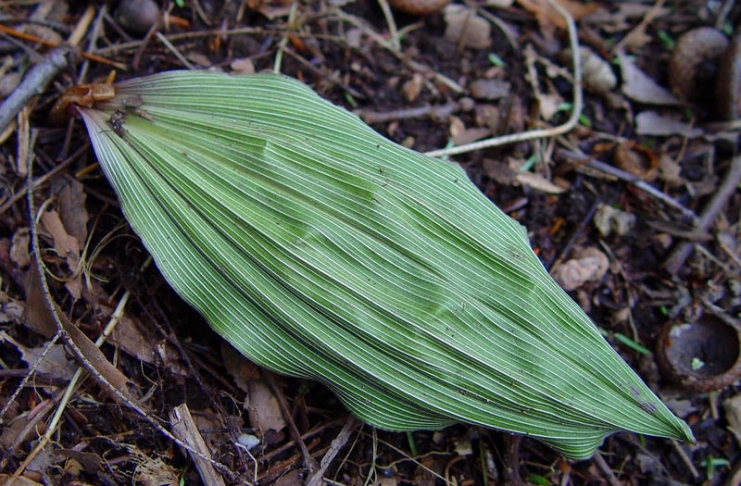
(678,156)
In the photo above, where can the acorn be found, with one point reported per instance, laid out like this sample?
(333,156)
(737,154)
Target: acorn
(705,67)
(137,16)
(703,355)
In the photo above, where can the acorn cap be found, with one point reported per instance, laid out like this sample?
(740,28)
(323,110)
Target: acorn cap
(728,82)
(692,63)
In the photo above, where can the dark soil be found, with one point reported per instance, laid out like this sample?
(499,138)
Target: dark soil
(101,440)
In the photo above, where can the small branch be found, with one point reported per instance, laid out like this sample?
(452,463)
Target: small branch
(185,429)
(686,460)
(309,461)
(441,112)
(574,237)
(175,51)
(628,177)
(393,31)
(605,469)
(278,63)
(75,340)
(335,447)
(85,55)
(34,83)
(44,178)
(682,251)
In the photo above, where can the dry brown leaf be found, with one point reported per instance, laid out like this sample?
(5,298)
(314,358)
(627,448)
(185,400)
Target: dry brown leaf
(545,12)
(36,314)
(243,66)
(72,212)
(638,86)
(498,171)
(549,105)
(456,126)
(538,182)
(487,116)
(8,83)
(470,135)
(19,247)
(413,87)
(154,472)
(55,362)
(262,404)
(19,481)
(134,339)
(98,360)
(240,368)
(656,124)
(637,160)
(597,72)
(65,244)
(670,171)
(291,478)
(38,317)
(609,221)
(490,89)
(465,28)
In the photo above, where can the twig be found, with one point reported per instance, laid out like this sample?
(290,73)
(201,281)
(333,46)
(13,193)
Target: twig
(682,251)
(278,63)
(329,77)
(184,427)
(335,447)
(723,12)
(441,112)
(42,179)
(686,460)
(605,469)
(309,461)
(539,133)
(33,84)
(26,377)
(647,19)
(141,46)
(64,333)
(503,27)
(511,460)
(71,388)
(630,178)
(81,27)
(58,26)
(572,240)
(393,31)
(411,64)
(175,51)
(92,41)
(86,55)
(269,456)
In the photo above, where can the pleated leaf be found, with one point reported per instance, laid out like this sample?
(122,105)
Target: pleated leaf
(321,250)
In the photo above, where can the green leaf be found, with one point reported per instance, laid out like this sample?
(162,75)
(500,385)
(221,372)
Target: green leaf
(321,250)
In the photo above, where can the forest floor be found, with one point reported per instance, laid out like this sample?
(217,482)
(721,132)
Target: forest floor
(635,211)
